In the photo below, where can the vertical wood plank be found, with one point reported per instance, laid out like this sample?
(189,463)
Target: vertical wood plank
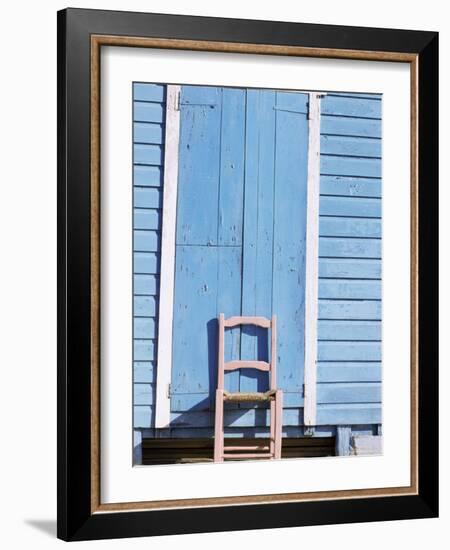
(249,245)
(258,235)
(137,447)
(199,166)
(229,269)
(291,172)
(231,192)
(164,357)
(195,321)
(312,261)
(343,440)
(230,219)
(194,365)
(218,430)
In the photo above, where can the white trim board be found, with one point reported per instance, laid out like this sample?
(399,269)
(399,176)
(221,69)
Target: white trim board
(312,261)
(167,277)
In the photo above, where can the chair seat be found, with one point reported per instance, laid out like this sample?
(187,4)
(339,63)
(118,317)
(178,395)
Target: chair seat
(251,396)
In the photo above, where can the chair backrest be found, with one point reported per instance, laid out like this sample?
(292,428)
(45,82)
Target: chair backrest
(263,322)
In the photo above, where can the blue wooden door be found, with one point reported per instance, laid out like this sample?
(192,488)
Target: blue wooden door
(240,238)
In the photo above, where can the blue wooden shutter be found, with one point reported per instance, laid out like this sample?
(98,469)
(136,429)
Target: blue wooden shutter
(274,234)
(208,238)
(240,238)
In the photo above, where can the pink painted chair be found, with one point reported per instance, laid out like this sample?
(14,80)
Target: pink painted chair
(273,395)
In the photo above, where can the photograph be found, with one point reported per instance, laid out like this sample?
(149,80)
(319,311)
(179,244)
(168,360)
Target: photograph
(257,273)
(246,271)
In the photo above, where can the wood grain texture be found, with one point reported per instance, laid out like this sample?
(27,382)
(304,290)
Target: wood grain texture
(350,248)
(149,125)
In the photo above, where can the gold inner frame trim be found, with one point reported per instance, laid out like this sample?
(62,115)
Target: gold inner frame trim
(232,47)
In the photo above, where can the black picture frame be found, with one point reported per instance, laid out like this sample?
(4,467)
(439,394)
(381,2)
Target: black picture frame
(76,521)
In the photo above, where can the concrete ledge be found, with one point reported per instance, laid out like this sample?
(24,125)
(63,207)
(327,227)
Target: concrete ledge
(367,445)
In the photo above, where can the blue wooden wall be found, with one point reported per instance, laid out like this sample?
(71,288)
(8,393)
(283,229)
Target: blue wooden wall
(349,326)
(148,153)
(349,347)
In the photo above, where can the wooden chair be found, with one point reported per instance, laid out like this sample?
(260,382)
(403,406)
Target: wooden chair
(273,395)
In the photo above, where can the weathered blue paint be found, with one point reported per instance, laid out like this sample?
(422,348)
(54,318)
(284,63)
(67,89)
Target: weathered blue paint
(349,268)
(144,371)
(150,176)
(289,251)
(356,207)
(145,154)
(137,447)
(348,126)
(148,112)
(351,371)
(238,145)
(257,276)
(148,132)
(148,218)
(349,330)
(347,227)
(350,186)
(145,306)
(240,245)
(146,241)
(349,327)
(147,197)
(148,157)
(146,262)
(343,440)
(350,145)
(338,105)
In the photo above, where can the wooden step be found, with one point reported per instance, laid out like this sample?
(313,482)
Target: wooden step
(248,455)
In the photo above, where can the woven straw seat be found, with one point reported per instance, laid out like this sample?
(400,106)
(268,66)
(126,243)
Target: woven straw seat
(245,397)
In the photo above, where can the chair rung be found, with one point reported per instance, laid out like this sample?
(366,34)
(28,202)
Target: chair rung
(247,448)
(248,455)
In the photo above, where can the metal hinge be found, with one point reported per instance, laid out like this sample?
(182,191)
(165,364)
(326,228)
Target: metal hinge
(319,96)
(169,390)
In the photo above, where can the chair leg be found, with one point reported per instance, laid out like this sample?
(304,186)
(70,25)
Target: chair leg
(218,429)
(278,422)
(272,427)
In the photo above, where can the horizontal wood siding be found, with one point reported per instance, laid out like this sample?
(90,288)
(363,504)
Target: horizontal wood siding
(350,229)
(149,101)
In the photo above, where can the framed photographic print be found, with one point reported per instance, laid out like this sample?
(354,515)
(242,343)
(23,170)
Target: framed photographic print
(247,274)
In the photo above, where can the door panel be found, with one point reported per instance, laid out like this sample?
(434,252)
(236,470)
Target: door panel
(258,230)
(289,242)
(208,240)
(240,238)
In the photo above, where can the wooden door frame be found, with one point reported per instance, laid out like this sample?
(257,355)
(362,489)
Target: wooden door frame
(167,276)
